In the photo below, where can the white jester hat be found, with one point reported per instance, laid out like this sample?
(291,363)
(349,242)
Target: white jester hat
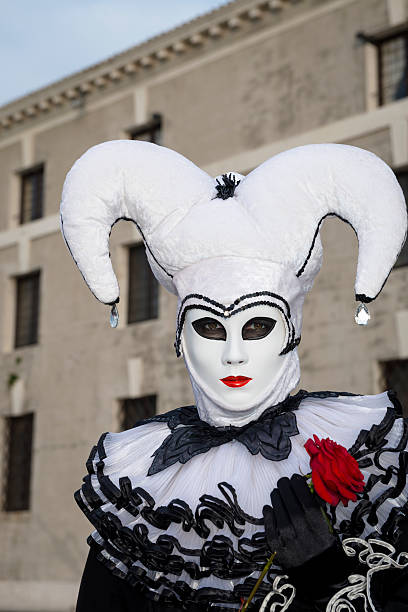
(232,242)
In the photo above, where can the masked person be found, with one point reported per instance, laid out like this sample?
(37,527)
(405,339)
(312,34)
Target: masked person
(189,506)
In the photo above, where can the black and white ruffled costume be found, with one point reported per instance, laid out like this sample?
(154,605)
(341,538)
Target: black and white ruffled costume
(177,500)
(201,540)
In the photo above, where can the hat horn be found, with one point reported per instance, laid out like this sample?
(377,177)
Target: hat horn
(299,188)
(132,180)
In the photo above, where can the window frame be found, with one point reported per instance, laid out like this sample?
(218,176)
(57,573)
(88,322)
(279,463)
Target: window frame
(39,208)
(385,379)
(398,171)
(152,127)
(9,495)
(36,319)
(122,424)
(377,40)
(153,303)
(380,61)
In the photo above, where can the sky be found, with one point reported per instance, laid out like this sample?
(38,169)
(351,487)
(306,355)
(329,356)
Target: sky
(42,41)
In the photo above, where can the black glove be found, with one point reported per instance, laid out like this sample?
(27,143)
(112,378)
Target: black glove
(295,526)
(296,529)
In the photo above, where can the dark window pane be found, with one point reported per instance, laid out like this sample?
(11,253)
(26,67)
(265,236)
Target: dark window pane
(18,447)
(150,131)
(403,181)
(135,409)
(143,287)
(32,194)
(393,68)
(395,376)
(27,309)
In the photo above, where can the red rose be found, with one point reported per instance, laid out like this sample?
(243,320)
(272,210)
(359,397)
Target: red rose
(335,473)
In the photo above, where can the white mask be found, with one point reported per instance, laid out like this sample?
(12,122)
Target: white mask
(241,347)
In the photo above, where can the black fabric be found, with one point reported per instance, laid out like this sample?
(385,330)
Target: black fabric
(269,435)
(390,588)
(226,189)
(102,591)
(295,526)
(270,438)
(317,580)
(307,550)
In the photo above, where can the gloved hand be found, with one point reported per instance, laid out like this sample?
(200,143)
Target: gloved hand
(295,526)
(296,529)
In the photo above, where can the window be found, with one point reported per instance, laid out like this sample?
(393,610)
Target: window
(402,176)
(135,409)
(18,451)
(393,68)
(143,287)
(395,376)
(150,131)
(32,194)
(27,309)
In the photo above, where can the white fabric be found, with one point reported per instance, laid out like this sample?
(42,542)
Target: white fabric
(264,238)
(243,277)
(129,453)
(225,279)
(273,215)
(135,180)
(218,413)
(208,360)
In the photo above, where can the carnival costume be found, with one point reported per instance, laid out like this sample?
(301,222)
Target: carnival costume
(188,506)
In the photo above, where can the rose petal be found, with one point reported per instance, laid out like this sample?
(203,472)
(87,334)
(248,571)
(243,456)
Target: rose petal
(323,491)
(335,473)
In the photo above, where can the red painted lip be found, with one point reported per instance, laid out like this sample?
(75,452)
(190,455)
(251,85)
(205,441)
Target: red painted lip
(235,381)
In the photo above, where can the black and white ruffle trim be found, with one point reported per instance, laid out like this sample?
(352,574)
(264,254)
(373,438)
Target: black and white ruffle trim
(369,449)
(120,547)
(168,570)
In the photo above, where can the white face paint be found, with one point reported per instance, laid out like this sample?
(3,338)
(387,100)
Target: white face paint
(247,344)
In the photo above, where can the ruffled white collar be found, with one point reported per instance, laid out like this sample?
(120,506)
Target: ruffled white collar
(216,498)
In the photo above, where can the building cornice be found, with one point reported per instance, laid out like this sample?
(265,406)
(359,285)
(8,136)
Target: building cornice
(201,32)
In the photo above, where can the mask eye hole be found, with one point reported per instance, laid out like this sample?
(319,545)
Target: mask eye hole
(210,328)
(257,328)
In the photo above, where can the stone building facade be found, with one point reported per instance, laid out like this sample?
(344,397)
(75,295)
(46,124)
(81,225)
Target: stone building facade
(227,90)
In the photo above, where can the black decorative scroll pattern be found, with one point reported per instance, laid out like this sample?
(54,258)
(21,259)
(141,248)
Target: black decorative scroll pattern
(368,448)
(138,501)
(190,436)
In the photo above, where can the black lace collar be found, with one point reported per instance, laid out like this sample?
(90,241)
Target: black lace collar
(268,435)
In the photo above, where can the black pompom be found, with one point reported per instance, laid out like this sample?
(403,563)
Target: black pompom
(226,190)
